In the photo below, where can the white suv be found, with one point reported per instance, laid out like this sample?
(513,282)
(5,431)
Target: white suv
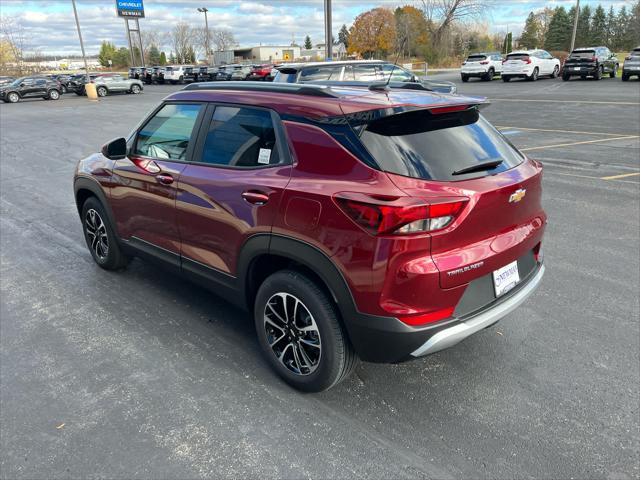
(530,64)
(175,73)
(483,65)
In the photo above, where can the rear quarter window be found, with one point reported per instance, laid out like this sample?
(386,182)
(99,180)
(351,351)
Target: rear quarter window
(419,144)
(518,56)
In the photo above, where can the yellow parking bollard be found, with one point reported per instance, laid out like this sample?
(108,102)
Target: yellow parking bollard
(90,88)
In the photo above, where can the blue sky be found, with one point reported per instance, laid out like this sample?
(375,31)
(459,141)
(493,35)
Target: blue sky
(49,25)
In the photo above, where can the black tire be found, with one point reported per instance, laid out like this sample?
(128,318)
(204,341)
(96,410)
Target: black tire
(565,77)
(173,82)
(599,72)
(489,75)
(53,95)
(181,80)
(112,258)
(613,72)
(64,89)
(102,91)
(464,78)
(13,97)
(556,72)
(135,89)
(506,79)
(534,75)
(334,360)
(79,93)
(625,77)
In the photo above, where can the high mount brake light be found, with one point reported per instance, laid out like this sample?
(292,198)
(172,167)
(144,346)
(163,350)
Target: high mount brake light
(397,217)
(450,109)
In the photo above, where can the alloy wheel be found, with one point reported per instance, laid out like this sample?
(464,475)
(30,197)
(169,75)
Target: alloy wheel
(13,97)
(97,234)
(292,334)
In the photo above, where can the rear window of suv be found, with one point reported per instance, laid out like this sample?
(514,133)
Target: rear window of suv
(518,56)
(422,145)
(476,58)
(583,54)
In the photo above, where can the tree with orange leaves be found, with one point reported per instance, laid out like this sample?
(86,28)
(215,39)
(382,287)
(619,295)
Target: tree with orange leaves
(373,33)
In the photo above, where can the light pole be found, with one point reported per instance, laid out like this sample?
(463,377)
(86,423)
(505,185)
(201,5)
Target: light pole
(206,31)
(575,26)
(328,36)
(84,57)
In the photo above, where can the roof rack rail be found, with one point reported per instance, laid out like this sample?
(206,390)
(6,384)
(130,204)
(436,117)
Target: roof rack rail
(298,89)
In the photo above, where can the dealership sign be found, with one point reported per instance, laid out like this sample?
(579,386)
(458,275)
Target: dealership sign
(130,8)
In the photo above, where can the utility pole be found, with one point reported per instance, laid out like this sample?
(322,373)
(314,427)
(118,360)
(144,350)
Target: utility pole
(328,36)
(84,57)
(206,31)
(575,26)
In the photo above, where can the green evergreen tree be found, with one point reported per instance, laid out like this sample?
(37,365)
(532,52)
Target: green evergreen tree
(122,59)
(529,37)
(583,34)
(610,38)
(633,28)
(163,59)
(343,36)
(622,23)
(507,45)
(559,34)
(307,43)
(153,56)
(598,27)
(107,52)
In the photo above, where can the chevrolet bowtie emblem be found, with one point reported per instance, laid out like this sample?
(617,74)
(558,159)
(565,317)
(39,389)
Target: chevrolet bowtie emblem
(517,195)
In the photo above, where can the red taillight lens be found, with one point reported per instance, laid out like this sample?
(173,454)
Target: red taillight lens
(527,60)
(400,216)
(424,318)
(484,63)
(593,59)
(452,108)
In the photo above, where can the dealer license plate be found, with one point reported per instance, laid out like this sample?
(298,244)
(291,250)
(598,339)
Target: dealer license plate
(505,278)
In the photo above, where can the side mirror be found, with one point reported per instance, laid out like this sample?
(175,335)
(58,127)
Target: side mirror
(116,149)
(22,84)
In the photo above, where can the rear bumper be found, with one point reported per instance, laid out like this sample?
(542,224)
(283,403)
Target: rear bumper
(570,70)
(468,326)
(388,340)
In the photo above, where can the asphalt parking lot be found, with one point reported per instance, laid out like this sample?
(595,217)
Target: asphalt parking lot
(142,375)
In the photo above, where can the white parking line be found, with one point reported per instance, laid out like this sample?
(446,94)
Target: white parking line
(579,132)
(561,101)
(543,147)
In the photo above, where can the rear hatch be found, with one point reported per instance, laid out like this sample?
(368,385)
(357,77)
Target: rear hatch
(475,63)
(581,58)
(446,156)
(516,61)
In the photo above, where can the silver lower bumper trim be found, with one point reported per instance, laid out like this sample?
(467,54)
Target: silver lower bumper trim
(450,336)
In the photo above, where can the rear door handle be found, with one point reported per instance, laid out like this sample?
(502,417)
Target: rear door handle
(165,179)
(255,198)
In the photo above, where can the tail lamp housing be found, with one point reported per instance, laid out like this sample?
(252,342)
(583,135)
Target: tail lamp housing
(400,215)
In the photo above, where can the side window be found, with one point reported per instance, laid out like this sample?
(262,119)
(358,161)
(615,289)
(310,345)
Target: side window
(399,74)
(320,73)
(41,82)
(28,82)
(241,137)
(365,73)
(166,136)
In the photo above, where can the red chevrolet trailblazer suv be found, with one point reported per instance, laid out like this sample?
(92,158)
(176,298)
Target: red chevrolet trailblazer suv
(384,224)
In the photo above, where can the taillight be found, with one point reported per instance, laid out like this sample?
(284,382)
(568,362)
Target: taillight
(399,216)
(527,60)
(485,62)
(594,59)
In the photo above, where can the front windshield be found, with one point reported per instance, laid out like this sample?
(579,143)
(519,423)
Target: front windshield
(18,81)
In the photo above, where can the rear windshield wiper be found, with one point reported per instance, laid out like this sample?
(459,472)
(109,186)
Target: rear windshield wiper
(478,167)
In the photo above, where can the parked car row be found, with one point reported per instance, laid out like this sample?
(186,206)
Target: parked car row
(180,74)
(106,84)
(594,62)
(30,87)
